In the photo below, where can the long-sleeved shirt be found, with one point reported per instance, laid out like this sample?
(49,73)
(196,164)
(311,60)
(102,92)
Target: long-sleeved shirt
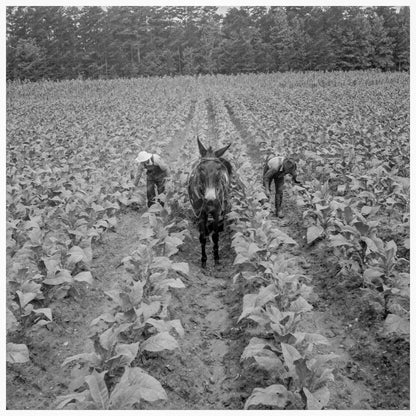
(156,167)
(274,166)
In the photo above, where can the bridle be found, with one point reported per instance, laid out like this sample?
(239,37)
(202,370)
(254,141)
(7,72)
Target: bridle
(204,202)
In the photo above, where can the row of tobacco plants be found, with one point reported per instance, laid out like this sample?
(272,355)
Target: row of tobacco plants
(354,155)
(138,323)
(276,295)
(69,165)
(138,326)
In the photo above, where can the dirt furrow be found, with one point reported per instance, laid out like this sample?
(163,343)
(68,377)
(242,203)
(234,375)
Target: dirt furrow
(346,392)
(202,373)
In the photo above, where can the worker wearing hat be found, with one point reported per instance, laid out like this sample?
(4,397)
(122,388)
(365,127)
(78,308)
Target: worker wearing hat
(275,169)
(157,172)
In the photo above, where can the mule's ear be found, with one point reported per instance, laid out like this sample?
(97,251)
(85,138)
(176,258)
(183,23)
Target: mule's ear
(202,149)
(220,152)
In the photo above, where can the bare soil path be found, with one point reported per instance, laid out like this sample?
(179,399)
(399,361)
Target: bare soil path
(204,372)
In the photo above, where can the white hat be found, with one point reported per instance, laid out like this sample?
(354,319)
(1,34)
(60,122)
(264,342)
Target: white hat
(143,156)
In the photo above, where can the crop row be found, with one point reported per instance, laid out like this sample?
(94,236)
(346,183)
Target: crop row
(277,293)
(353,198)
(69,158)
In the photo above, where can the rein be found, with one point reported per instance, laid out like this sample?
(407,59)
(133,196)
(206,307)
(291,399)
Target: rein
(204,203)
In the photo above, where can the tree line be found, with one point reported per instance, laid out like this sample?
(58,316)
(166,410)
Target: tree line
(50,42)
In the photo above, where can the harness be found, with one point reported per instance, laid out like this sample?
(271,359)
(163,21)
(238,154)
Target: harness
(192,175)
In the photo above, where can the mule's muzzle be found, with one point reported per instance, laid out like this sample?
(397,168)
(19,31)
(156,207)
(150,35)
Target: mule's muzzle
(210,194)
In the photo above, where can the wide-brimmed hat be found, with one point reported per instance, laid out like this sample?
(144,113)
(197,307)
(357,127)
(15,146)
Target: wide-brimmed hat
(143,156)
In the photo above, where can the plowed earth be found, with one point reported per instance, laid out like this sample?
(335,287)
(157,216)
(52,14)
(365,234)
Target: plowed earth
(206,373)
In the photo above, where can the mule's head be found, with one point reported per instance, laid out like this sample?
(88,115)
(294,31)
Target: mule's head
(213,174)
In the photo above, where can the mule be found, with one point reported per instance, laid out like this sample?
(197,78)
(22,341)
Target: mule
(208,188)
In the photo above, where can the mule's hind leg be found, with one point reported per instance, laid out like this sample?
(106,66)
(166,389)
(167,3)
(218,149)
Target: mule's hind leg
(203,239)
(215,239)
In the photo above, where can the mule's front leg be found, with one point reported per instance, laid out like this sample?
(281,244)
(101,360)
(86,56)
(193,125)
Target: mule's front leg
(203,240)
(215,239)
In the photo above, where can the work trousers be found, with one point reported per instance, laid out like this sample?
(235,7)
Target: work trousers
(154,184)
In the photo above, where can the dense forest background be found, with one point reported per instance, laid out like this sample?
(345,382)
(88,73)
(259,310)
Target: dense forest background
(109,42)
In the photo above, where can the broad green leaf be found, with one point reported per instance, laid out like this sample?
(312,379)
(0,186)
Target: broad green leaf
(77,254)
(171,245)
(253,348)
(109,337)
(395,324)
(11,321)
(341,189)
(325,377)
(300,305)
(322,359)
(98,389)
(161,263)
(91,358)
(145,233)
(304,374)
(240,258)
(314,232)
(52,263)
(62,401)
(165,326)
(176,324)
(175,283)
(362,228)
(371,245)
(35,235)
(25,298)
(249,301)
(266,294)
(275,396)
(348,214)
(391,250)
(148,310)
(45,311)
(252,249)
(159,342)
(290,354)
(127,351)
(339,240)
(312,338)
(106,317)
(181,267)
(283,237)
(77,377)
(85,277)
(371,275)
(63,276)
(269,361)
(17,353)
(318,399)
(366,210)
(136,293)
(135,385)
(31,286)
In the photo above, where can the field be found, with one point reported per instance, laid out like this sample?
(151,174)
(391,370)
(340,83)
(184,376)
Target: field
(107,306)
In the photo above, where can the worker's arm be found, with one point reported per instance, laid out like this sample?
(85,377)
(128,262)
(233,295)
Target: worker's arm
(267,179)
(139,174)
(295,179)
